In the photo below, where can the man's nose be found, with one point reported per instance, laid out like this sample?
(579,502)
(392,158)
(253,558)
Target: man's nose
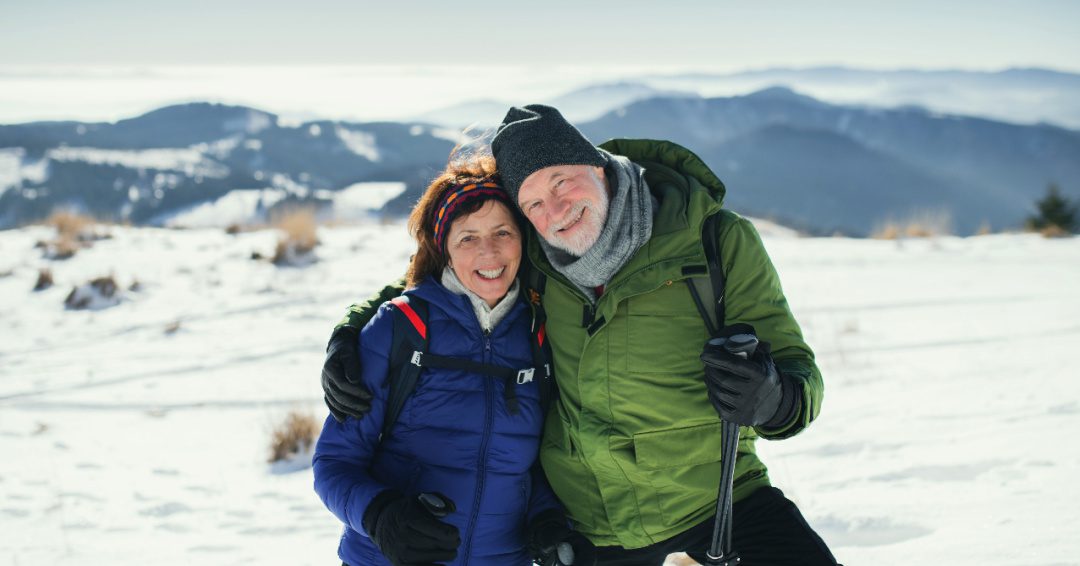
(559,206)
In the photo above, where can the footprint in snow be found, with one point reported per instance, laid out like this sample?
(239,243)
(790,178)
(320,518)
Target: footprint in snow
(867,531)
(165,510)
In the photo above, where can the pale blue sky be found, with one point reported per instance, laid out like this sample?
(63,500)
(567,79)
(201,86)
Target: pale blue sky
(714,35)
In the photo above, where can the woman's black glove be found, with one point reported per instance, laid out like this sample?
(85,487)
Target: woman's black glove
(553,543)
(744,385)
(408,531)
(342,391)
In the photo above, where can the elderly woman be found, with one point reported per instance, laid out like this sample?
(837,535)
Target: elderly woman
(451,475)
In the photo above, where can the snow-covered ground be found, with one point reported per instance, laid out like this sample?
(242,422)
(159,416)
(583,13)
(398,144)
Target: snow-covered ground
(139,433)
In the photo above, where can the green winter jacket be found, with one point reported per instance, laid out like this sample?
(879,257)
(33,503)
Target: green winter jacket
(632,447)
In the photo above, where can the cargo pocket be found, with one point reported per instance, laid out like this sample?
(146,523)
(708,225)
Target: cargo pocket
(683,467)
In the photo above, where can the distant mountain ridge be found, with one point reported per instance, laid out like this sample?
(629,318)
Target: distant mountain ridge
(141,168)
(775,139)
(821,167)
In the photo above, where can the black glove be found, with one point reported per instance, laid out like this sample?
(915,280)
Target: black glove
(553,543)
(344,395)
(408,531)
(744,385)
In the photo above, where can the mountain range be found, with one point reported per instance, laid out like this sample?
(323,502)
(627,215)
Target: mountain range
(818,166)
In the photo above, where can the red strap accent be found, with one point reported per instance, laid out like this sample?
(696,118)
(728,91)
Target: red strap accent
(403,304)
(540,335)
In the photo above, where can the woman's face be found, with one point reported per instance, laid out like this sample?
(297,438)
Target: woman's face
(485,250)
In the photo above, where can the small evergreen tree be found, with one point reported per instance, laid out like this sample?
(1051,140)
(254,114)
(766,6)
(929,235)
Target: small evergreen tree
(1054,210)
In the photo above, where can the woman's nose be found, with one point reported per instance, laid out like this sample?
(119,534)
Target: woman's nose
(487,246)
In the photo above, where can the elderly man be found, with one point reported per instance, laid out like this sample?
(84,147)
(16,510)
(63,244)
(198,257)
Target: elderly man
(632,446)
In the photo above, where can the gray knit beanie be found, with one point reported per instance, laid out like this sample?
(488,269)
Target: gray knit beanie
(536,136)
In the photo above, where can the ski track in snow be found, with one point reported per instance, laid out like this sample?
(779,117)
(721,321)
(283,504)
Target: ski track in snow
(946,434)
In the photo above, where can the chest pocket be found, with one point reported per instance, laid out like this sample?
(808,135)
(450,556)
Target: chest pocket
(664,332)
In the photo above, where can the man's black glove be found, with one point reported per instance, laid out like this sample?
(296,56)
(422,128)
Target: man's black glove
(408,531)
(553,543)
(744,385)
(343,393)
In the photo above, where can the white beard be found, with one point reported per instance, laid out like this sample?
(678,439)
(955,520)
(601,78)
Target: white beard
(586,235)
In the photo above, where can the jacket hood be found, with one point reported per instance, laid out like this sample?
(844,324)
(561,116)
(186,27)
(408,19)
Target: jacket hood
(671,156)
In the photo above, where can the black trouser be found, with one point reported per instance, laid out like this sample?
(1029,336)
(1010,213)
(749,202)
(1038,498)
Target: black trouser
(767,530)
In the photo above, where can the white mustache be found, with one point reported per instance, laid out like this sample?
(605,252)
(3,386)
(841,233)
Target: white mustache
(573,217)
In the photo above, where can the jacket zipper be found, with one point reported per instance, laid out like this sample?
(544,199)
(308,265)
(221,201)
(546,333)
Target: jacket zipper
(489,412)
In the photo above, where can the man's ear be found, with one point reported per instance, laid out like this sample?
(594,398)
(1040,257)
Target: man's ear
(599,171)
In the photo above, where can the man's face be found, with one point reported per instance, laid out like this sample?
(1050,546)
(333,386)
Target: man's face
(567,204)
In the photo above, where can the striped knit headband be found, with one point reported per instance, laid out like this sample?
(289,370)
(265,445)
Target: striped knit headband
(454,199)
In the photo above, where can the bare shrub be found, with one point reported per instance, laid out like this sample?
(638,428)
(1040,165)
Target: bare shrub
(44,279)
(97,293)
(296,435)
(233,229)
(298,241)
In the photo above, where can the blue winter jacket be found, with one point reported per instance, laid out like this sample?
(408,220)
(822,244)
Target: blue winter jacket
(455,436)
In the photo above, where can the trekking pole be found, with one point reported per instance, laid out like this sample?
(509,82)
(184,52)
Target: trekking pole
(721,552)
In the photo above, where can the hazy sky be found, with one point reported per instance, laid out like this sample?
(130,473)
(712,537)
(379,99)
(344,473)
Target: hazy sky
(707,34)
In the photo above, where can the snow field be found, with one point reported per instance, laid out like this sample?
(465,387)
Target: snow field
(945,434)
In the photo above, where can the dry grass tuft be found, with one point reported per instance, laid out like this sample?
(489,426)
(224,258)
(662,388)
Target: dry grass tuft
(44,279)
(298,241)
(1054,231)
(984,229)
(922,224)
(74,231)
(70,224)
(294,436)
(889,231)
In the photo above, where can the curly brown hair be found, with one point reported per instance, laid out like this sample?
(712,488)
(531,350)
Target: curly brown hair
(429,258)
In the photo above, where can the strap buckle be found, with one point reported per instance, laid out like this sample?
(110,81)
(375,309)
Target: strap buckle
(416,358)
(524,376)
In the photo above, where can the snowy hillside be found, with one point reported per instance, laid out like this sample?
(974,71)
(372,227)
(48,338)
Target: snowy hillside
(139,433)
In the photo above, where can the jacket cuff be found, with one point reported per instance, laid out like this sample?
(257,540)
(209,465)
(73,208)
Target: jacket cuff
(790,401)
(376,507)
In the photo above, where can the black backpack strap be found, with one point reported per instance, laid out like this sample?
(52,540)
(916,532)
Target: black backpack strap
(535,282)
(708,289)
(409,355)
(409,340)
